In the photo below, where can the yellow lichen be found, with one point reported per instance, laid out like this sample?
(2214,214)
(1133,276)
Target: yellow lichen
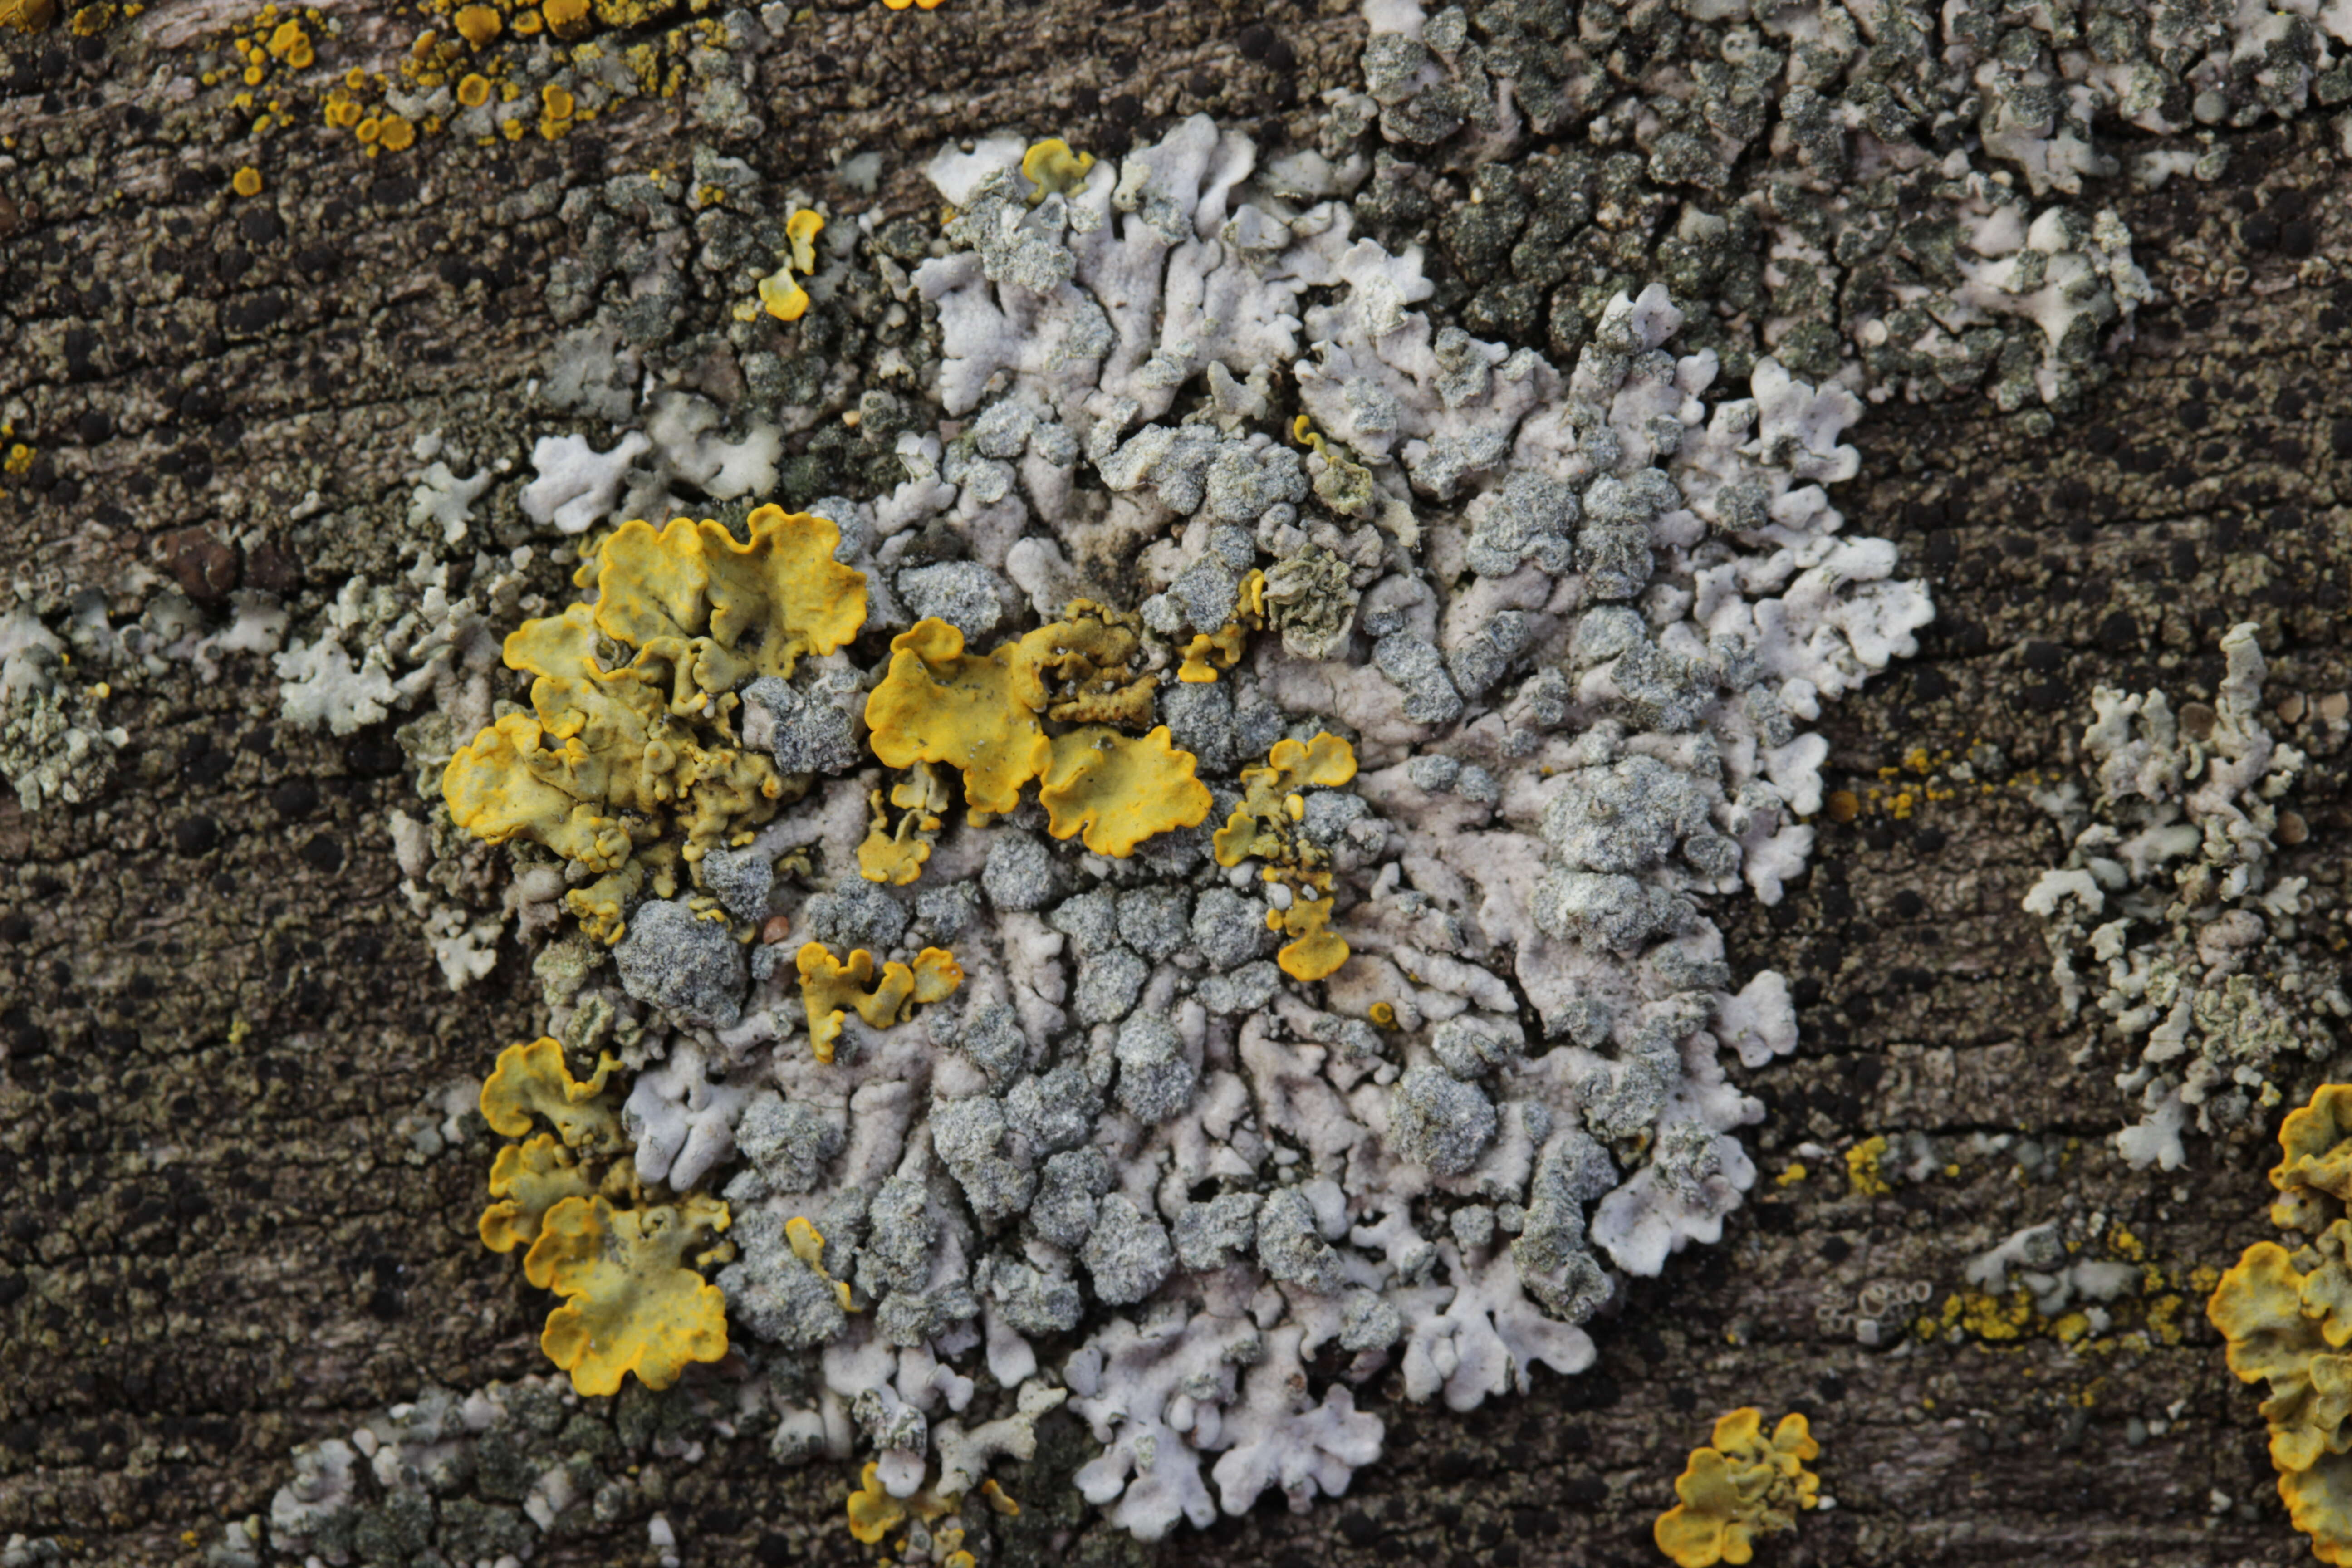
(1265,825)
(781,293)
(807,1243)
(782,297)
(396,134)
(1314,951)
(897,857)
(1118,790)
(27,15)
(478,23)
(246,181)
(801,230)
(1741,1487)
(982,714)
(567,19)
(2314,1178)
(2287,1317)
(1211,653)
(473,90)
(1090,664)
(874,1512)
(780,590)
(610,759)
(529,1179)
(631,1304)
(978,714)
(1054,170)
(1862,1172)
(533,1079)
(830,988)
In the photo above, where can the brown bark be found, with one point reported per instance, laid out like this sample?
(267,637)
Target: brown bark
(215,1240)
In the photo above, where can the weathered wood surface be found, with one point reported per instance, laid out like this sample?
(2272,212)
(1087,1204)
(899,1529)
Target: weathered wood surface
(215,1241)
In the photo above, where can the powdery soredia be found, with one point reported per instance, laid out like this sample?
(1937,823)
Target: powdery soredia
(1302,787)
(1578,620)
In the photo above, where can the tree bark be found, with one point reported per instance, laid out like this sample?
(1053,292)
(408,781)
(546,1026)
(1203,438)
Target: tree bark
(224,1032)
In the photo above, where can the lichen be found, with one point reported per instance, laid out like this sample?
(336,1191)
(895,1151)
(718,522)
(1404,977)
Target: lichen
(2287,1317)
(830,987)
(1741,1486)
(631,1305)
(613,755)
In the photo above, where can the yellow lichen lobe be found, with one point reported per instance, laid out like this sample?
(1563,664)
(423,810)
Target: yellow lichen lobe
(897,857)
(27,15)
(1862,1176)
(1267,824)
(609,757)
(1118,790)
(2314,1177)
(1054,170)
(832,987)
(477,25)
(1090,664)
(2283,1316)
(1741,1487)
(631,1304)
(1209,653)
(874,1512)
(1316,951)
(807,1243)
(567,19)
(977,714)
(533,1079)
(246,181)
(781,296)
(473,89)
(801,230)
(2287,1317)
(529,1179)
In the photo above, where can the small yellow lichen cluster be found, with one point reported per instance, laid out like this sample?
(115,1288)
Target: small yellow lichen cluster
(830,988)
(1742,1487)
(807,1243)
(902,4)
(1210,654)
(27,15)
(898,856)
(630,1301)
(630,730)
(1054,169)
(1267,824)
(272,42)
(781,293)
(1862,1175)
(936,1530)
(377,129)
(983,715)
(2287,1317)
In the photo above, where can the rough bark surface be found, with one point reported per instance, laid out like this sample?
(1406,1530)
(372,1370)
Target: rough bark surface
(222,1028)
